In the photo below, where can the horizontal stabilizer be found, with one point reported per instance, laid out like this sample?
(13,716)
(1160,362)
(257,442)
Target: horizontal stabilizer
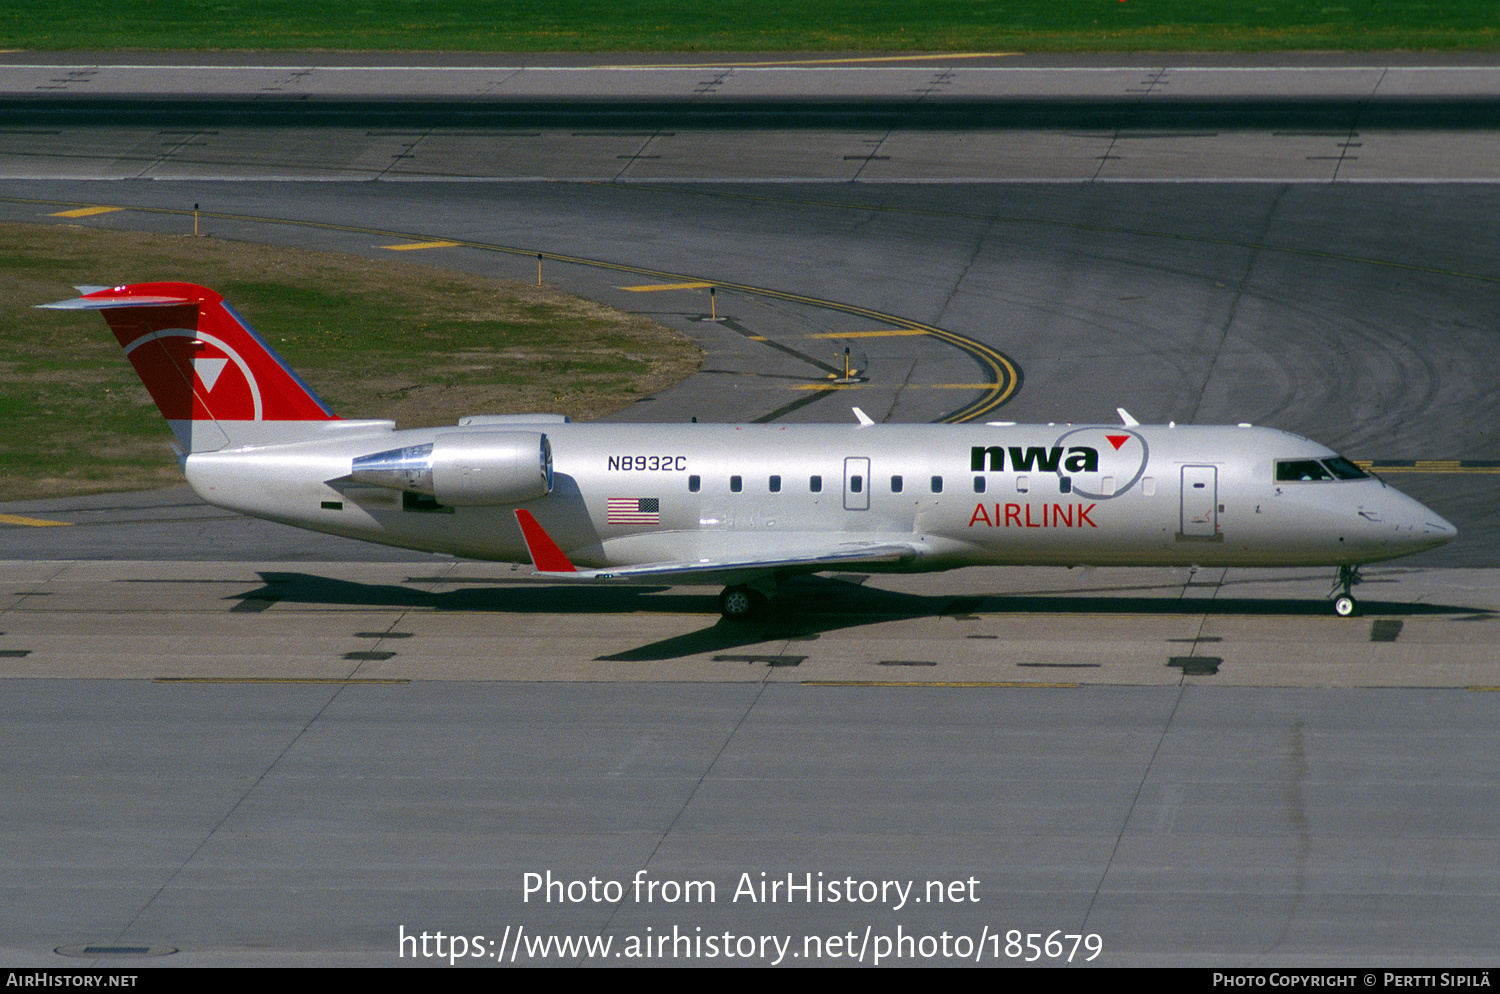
(117,300)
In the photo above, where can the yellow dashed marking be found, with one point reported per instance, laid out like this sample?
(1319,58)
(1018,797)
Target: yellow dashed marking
(666,286)
(87,211)
(418,245)
(1427,466)
(16,519)
(903,333)
(947,56)
(826,386)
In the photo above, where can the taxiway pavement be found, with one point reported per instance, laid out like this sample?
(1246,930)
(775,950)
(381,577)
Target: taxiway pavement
(1200,769)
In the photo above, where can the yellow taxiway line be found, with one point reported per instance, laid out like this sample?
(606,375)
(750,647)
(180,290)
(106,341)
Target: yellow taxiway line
(415,246)
(86,211)
(666,286)
(903,332)
(16,519)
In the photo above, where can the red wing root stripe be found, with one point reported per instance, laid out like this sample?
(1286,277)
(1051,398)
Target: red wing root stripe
(545,555)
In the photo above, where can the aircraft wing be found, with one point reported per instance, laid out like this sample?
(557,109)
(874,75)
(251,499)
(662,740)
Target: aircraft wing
(552,563)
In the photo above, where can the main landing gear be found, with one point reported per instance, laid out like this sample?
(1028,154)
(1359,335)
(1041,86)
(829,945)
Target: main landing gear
(742,602)
(1344,604)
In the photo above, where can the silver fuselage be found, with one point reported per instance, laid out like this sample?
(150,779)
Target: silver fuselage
(959,495)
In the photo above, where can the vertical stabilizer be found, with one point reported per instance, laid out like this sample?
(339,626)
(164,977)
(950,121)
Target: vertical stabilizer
(217,382)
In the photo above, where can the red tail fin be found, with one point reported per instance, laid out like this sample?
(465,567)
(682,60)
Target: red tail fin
(204,366)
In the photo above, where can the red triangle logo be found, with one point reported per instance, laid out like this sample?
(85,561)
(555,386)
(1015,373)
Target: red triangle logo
(1117,440)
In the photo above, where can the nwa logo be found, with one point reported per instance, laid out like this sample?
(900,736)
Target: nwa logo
(1096,463)
(193,375)
(1035,459)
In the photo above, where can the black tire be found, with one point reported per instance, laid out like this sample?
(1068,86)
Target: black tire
(740,603)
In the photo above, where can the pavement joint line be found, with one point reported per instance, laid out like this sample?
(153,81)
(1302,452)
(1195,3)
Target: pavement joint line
(280,679)
(1019,684)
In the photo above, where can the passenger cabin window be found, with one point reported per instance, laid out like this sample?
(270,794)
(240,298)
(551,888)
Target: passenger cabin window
(937,484)
(896,484)
(979,484)
(694,484)
(815,484)
(736,484)
(1305,470)
(775,485)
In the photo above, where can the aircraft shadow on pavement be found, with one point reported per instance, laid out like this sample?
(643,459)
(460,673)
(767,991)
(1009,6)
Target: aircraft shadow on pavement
(807,607)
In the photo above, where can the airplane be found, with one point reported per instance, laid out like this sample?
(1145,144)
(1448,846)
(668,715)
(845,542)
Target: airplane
(745,505)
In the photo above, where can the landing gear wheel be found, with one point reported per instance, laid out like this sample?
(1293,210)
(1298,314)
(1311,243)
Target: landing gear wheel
(1343,604)
(740,603)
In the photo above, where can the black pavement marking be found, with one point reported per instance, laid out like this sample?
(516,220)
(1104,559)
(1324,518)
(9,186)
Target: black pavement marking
(1196,665)
(768,660)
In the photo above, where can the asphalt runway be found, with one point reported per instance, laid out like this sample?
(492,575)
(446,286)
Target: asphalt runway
(230,743)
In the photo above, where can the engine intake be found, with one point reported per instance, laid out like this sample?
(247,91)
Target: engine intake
(465,468)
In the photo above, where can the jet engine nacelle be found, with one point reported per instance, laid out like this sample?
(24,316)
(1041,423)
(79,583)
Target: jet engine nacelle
(465,468)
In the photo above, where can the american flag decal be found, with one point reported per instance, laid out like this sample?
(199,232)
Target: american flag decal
(634,510)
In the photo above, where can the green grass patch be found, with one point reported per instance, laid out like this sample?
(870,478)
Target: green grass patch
(375,338)
(761,26)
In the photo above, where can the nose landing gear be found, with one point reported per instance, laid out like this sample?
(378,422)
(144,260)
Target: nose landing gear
(1344,604)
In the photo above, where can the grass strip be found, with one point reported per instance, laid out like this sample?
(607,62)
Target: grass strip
(760,26)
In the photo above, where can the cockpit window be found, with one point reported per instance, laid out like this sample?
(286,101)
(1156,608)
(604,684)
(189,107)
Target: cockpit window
(1298,470)
(1344,469)
(1303,470)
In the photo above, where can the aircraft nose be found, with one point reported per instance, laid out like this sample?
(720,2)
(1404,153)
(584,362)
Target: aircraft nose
(1423,527)
(1437,527)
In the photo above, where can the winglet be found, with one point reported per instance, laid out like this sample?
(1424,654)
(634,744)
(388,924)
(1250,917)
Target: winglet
(864,419)
(545,555)
(1126,419)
